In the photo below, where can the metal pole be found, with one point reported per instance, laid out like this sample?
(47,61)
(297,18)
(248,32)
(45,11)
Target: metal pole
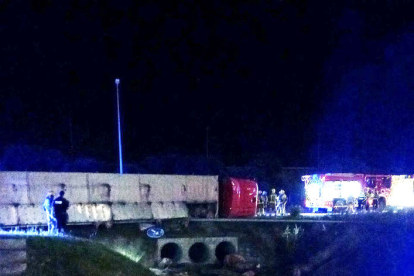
(117,81)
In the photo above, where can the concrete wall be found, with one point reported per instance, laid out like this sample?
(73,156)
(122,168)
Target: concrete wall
(205,247)
(101,197)
(13,256)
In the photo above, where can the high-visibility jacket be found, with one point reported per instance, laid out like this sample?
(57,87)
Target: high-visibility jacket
(273,198)
(263,199)
(283,198)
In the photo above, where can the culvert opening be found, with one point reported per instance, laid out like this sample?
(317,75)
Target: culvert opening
(171,251)
(223,249)
(198,252)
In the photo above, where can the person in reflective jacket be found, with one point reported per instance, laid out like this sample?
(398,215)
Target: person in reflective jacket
(260,206)
(273,201)
(264,201)
(48,208)
(60,207)
(281,203)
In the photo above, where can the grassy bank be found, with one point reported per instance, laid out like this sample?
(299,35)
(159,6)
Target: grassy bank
(57,256)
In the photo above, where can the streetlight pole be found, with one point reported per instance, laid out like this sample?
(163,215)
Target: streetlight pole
(117,81)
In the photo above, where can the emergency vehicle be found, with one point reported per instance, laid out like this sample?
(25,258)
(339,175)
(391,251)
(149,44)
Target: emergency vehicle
(336,191)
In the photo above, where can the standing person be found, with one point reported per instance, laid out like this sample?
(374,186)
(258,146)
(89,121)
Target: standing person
(278,205)
(370,199)
(283,201)
(60,206)
(48,208)
(350,204)
(259,204)
(273,201)
(265,202)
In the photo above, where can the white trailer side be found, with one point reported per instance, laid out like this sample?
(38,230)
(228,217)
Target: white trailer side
(103,197)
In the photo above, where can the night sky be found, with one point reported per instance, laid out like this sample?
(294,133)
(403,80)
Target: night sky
(325,84)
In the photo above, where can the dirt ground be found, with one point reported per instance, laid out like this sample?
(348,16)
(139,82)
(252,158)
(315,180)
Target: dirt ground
(371,243)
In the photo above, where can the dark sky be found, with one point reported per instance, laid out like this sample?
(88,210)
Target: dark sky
(297,79)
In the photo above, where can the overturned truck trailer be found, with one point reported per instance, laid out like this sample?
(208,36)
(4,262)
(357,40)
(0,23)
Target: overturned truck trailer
(104,197)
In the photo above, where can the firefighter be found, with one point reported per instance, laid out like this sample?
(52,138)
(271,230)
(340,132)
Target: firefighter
(60,206)
(350,204)
(273,202)
(260,204)
(265,202)
(281,203)
(48,208)
(369,199)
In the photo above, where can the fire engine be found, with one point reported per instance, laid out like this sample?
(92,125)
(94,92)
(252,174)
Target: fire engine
(337,191)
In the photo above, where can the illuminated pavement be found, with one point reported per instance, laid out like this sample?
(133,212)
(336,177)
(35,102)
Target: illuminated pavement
(269,220)
(315,214)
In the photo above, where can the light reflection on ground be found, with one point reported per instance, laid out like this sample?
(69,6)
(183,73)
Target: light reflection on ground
(130,252)
(32,231)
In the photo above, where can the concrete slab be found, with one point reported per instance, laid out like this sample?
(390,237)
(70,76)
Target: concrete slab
(12,244)
(13,269)
(12,256)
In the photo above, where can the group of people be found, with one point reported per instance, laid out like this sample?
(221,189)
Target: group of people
(56,213)
(274,205)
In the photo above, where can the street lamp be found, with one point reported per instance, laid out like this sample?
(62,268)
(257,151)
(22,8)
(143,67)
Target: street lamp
(117,81)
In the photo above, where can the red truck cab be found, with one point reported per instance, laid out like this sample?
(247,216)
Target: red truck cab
(238,198)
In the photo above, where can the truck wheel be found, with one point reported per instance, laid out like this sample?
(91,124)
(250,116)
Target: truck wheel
(381,204)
